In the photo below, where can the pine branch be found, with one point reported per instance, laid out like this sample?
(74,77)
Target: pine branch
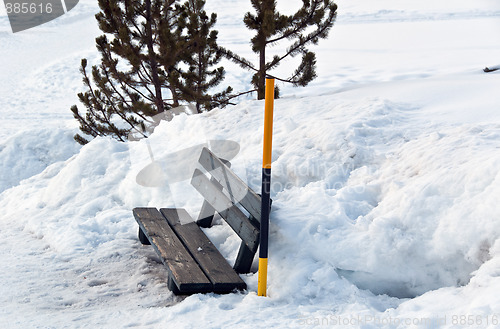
(121,114)
(238,95)
(83,122)
(298,22)
(242,62)
(299,45)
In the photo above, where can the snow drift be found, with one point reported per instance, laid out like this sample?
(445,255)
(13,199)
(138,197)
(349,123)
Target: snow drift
(370,191)
(385,184)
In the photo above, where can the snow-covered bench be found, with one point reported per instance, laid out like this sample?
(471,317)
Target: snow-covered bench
(194,264)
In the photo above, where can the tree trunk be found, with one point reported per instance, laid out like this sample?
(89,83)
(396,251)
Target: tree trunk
(152,60)
(261,84)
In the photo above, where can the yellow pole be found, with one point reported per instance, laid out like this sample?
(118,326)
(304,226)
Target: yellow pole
(266,187)
(268,124)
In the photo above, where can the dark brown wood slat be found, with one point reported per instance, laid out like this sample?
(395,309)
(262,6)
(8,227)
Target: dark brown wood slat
(182,268)
(231,213)
(239,191)
(244,259)
(213,264)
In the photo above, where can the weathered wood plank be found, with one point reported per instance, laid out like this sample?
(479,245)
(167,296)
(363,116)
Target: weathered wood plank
(244,259)
(182,268)
(238,191)
(213,264)
(230,212)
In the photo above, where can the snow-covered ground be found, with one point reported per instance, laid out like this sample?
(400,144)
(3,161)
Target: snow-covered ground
(386,180)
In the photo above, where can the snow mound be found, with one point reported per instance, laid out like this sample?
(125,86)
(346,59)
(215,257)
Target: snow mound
(394,209)
(385,188)
(371,198)
(29,152)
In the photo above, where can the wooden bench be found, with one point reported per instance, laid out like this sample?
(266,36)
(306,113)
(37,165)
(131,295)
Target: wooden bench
(194,264)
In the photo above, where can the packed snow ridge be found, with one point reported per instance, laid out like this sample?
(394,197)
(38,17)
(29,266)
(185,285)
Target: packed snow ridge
(385,184)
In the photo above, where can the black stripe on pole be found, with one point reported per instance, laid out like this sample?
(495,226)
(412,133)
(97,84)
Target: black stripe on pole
(264,212)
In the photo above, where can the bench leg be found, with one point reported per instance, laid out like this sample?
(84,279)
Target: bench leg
(244,259)
(206,216)
(207,212)
(143,238)
(172,286)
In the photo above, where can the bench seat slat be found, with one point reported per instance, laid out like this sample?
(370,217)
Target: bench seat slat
(183,269)
(213,264)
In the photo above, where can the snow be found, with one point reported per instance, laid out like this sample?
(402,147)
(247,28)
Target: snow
(385,181)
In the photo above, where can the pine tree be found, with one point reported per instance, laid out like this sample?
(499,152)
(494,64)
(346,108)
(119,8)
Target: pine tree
(310,23)
(140,74)
(203,54)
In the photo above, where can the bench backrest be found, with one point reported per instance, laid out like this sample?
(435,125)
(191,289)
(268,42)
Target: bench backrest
(223,193)
(238,190)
